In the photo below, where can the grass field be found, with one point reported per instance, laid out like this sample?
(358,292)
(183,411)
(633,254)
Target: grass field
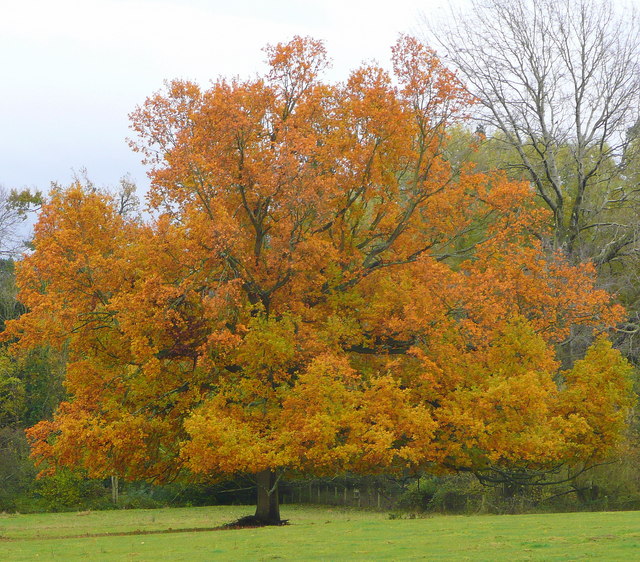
(317,534)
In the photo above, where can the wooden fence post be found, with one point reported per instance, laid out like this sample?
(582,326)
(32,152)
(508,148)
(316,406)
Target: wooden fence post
(115,493)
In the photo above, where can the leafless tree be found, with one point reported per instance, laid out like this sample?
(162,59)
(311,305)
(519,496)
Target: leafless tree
(558,84)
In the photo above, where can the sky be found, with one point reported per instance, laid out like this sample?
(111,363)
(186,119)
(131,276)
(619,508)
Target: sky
(71,71)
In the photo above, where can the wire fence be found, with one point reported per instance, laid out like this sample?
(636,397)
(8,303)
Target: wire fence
(344,494)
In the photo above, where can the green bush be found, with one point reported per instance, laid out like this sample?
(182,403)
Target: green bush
(66,490)
(16,469)
(419,494)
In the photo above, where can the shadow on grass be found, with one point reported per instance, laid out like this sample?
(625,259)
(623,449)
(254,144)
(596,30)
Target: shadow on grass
(247,522)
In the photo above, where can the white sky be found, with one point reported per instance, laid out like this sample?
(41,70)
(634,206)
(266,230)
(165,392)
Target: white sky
(72,70)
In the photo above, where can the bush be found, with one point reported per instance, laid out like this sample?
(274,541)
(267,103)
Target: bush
(16,469)
(66,490)
(419,494)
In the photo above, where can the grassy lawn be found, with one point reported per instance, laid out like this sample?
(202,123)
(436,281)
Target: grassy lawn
(318,534)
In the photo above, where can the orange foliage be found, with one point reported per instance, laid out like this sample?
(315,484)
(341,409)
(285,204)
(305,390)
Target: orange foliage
(317,291)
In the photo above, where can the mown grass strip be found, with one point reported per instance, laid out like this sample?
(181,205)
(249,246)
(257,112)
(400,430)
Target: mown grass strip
(326,534)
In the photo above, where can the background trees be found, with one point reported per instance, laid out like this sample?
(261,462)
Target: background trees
(559,82)
(558,86)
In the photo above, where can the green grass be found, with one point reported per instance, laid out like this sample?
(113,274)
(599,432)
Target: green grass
(318,534)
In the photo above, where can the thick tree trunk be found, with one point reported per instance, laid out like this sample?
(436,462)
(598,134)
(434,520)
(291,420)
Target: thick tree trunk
(268,503)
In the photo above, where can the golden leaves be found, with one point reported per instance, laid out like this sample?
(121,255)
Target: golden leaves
(596,400)
(317,289)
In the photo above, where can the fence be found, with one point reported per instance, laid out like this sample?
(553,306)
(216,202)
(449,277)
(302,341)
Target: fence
(340,494)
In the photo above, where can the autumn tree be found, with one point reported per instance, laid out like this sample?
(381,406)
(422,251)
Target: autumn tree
(316,292)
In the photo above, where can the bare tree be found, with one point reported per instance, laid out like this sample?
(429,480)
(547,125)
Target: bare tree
(558,84)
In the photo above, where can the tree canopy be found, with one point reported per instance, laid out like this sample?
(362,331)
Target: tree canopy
(317,291)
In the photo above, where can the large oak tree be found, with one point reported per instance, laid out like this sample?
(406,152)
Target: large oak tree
(317,291)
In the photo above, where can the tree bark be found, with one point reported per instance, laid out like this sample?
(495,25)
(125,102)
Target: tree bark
(268,502)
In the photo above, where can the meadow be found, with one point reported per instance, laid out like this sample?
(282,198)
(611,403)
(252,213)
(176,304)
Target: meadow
(317,533)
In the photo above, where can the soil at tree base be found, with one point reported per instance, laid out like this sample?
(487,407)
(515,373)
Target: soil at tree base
(249,521)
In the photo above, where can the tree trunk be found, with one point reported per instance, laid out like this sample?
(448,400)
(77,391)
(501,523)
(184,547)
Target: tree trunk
(268,503)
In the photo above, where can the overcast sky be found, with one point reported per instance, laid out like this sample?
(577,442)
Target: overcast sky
(72,70)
